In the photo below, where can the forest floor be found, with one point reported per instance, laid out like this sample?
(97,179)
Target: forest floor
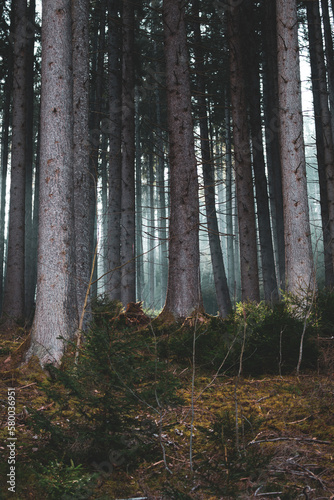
(219,436)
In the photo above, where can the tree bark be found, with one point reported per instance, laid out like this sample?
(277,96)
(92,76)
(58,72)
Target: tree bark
(298,251)
(322,116)
(56,312)
(115,164)
(329,57)
(4,162)
(128,279)
(13,304)
(30,245)
(251,43)
(243,166)
(83,180)
(183,291)
(222,292)
(270,107)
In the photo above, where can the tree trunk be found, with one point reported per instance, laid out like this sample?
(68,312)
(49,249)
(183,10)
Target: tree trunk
(83,182)
(183,291)
(222,292)
(329,57)
(252,69)
(128,279)
(243,167)
(298,251)
(96,100)
(139,211)
(151,228)
(229,204)
(13,304)
(115,164)
(270,106)
(56,312)
(30,246)
(324,143)
(4,165)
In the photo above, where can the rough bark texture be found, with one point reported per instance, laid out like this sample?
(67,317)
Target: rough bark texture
(270,106)
(128,280)
(4,164)
(229,203)
(251,44)
(83,180)
(322,116)
(183,291)
(56,312)
(115,165)
(243,166)
(222,292)
(329,56)
(299,270)
(30,244)
(13,304)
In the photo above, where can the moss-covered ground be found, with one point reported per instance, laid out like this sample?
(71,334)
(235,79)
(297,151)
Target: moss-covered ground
(174,412)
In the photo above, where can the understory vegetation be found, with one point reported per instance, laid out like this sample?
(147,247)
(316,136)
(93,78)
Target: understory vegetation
(206,409)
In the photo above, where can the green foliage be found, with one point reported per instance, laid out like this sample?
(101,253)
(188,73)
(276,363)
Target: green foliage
(60,481)
(267,338)
(118,373)
(270,338)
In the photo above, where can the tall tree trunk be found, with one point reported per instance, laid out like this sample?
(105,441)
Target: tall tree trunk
(324,143)
(96,100)
(56,312)
(128,280)
(229,202)
(151,227)
(222,292)
(298,251)
(270,106)
(329,57)
(183,291)
(13,304)
(115,164)
(163,252)
(30,255)
(252,70)
(4,165)
(83,182)
(139,211)
(243,166)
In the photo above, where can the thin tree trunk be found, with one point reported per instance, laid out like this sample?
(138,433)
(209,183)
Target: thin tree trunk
(183,291)
(252,70)
(222,292)
(139,212)
(243,167)
(151,228)
(163,252)
(323,130)
(128,279)
(229,203)
(271,122)
(4,166)
(298,251)
(56,312)
(83,182)
(329,57)
(96,99)
(13,304)
(30,256)
(115,164)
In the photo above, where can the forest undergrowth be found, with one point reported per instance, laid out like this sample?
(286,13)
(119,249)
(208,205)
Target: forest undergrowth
(207,409)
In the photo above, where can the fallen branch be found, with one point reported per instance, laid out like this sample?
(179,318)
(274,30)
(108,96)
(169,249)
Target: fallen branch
(308,440)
